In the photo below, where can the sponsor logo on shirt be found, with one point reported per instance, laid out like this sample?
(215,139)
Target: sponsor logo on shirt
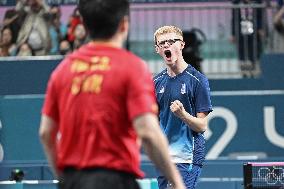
(162,90)
(183,88)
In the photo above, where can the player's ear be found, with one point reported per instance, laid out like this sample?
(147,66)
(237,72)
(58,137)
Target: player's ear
(124,24)
(182,44)
(157,49)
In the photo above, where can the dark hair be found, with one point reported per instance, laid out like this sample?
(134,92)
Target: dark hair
(102,17)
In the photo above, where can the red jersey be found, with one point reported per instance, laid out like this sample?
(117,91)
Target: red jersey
(93,96)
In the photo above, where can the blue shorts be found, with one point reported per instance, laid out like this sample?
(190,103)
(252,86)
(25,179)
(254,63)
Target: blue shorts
(189,173)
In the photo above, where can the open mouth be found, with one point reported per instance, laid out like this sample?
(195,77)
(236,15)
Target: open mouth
(168,53)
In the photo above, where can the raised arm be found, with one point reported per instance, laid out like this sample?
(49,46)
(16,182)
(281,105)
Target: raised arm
(197,124)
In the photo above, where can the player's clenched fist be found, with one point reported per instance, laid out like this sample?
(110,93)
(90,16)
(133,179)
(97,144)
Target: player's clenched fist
(177,108)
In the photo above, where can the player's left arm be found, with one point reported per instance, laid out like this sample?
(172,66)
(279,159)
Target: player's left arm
(198,124)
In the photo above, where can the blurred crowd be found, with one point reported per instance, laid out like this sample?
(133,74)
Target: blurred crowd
(34,28)
(251,33)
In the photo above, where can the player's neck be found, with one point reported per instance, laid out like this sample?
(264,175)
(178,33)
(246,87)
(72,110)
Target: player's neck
(106,43)
(115,41)
(177,68)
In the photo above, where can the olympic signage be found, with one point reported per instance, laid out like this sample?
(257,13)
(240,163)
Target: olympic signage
(271,176)
(246,121)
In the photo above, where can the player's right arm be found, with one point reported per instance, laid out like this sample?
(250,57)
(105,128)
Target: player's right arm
(47,132)
(198,124)
(49,124)
(155,145)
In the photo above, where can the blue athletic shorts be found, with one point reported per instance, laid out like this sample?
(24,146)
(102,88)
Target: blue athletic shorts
(189,173)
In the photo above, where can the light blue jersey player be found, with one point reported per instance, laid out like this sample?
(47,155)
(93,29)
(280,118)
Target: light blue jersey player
(183,96)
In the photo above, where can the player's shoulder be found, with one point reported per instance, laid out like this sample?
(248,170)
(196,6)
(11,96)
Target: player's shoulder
(195,74)
(160,75)
(61,67)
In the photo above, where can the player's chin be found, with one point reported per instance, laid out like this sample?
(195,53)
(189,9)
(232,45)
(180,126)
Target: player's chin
(169,63)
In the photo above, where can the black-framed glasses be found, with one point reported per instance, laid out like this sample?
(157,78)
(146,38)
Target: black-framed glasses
(168,41)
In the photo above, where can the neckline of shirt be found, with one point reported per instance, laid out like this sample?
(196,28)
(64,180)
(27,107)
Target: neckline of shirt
(178,75)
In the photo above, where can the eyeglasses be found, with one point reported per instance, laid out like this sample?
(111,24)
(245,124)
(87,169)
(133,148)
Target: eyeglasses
(169,41)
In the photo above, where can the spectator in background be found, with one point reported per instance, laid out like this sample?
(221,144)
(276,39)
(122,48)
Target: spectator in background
(25,50)
(8,48)
(80,36)
(57,29)
(193,40)
(13,19)
(34,30)
(74,20)
(277,41)
(64,47)
(248,33)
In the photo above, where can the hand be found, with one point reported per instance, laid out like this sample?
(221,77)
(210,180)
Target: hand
(177,108)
